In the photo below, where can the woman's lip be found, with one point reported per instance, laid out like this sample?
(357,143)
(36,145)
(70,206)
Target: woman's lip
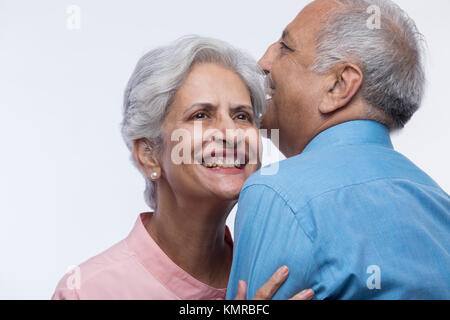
(226,156)
(226,170)
(228,153)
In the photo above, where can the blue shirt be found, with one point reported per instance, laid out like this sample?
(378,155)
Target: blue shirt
(351,218)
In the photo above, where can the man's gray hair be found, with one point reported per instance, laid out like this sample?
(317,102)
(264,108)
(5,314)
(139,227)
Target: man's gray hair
(390,57)
(161,72)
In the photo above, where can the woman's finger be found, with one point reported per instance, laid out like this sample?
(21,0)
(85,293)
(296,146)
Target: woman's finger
(303,295)
(267,291)
(242,291)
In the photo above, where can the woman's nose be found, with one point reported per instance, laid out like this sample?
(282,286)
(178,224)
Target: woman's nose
(224,123)
(223,129)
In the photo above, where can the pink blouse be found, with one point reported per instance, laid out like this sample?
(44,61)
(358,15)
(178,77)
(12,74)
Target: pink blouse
(135,268)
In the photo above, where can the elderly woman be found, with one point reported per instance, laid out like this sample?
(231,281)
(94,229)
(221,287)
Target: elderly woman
(183,250)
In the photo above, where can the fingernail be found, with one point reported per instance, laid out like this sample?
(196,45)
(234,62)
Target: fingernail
(306,294)
(284,271)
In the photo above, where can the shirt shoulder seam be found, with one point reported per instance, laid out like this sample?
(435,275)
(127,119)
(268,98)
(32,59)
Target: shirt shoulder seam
(363,183)
(286,202)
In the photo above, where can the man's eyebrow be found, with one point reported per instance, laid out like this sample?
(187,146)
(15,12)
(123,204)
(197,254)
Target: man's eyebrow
(285,35)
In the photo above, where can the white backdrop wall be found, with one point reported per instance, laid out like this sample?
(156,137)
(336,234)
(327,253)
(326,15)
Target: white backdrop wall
(67,188)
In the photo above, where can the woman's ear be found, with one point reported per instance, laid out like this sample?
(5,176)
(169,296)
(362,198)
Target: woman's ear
(146,157)
(344,83)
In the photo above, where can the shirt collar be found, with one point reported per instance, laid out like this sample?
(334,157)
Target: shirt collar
(178,281)
(352,132)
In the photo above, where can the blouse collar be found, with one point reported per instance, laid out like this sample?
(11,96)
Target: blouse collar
(181,283)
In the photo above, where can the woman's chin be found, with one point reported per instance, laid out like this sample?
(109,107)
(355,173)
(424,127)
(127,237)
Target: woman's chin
(229,194)
(219,183)
(224,190)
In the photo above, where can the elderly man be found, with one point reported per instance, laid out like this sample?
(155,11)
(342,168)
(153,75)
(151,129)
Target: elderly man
(348,215)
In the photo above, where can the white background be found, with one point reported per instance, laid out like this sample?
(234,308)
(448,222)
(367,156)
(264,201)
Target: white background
(67,188)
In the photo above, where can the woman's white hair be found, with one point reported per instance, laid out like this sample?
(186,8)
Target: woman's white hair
(390,57)
(161,72)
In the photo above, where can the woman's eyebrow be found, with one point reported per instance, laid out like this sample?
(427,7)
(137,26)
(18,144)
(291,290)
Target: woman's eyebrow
(205,105)
(242,107)
(212,107)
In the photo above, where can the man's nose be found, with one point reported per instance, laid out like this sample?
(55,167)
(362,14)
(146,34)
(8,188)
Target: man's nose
(266,61)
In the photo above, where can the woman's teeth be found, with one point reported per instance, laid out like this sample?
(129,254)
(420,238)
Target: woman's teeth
(218,163)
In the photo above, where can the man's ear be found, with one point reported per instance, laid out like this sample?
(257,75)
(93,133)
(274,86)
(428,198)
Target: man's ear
(345,82)
(145,155)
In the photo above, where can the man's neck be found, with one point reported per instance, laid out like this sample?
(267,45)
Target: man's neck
(349,114)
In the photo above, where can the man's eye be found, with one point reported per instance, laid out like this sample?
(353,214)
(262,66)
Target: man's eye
(284,46)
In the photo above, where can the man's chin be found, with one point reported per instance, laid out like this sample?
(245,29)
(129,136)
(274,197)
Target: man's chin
(268,120)
(265,123)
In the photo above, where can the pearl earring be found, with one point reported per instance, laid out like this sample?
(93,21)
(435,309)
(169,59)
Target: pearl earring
(154,175)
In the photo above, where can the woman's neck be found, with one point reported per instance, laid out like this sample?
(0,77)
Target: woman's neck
(192,235)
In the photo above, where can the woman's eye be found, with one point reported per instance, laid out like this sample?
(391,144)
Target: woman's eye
(199,116)
(243,116)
